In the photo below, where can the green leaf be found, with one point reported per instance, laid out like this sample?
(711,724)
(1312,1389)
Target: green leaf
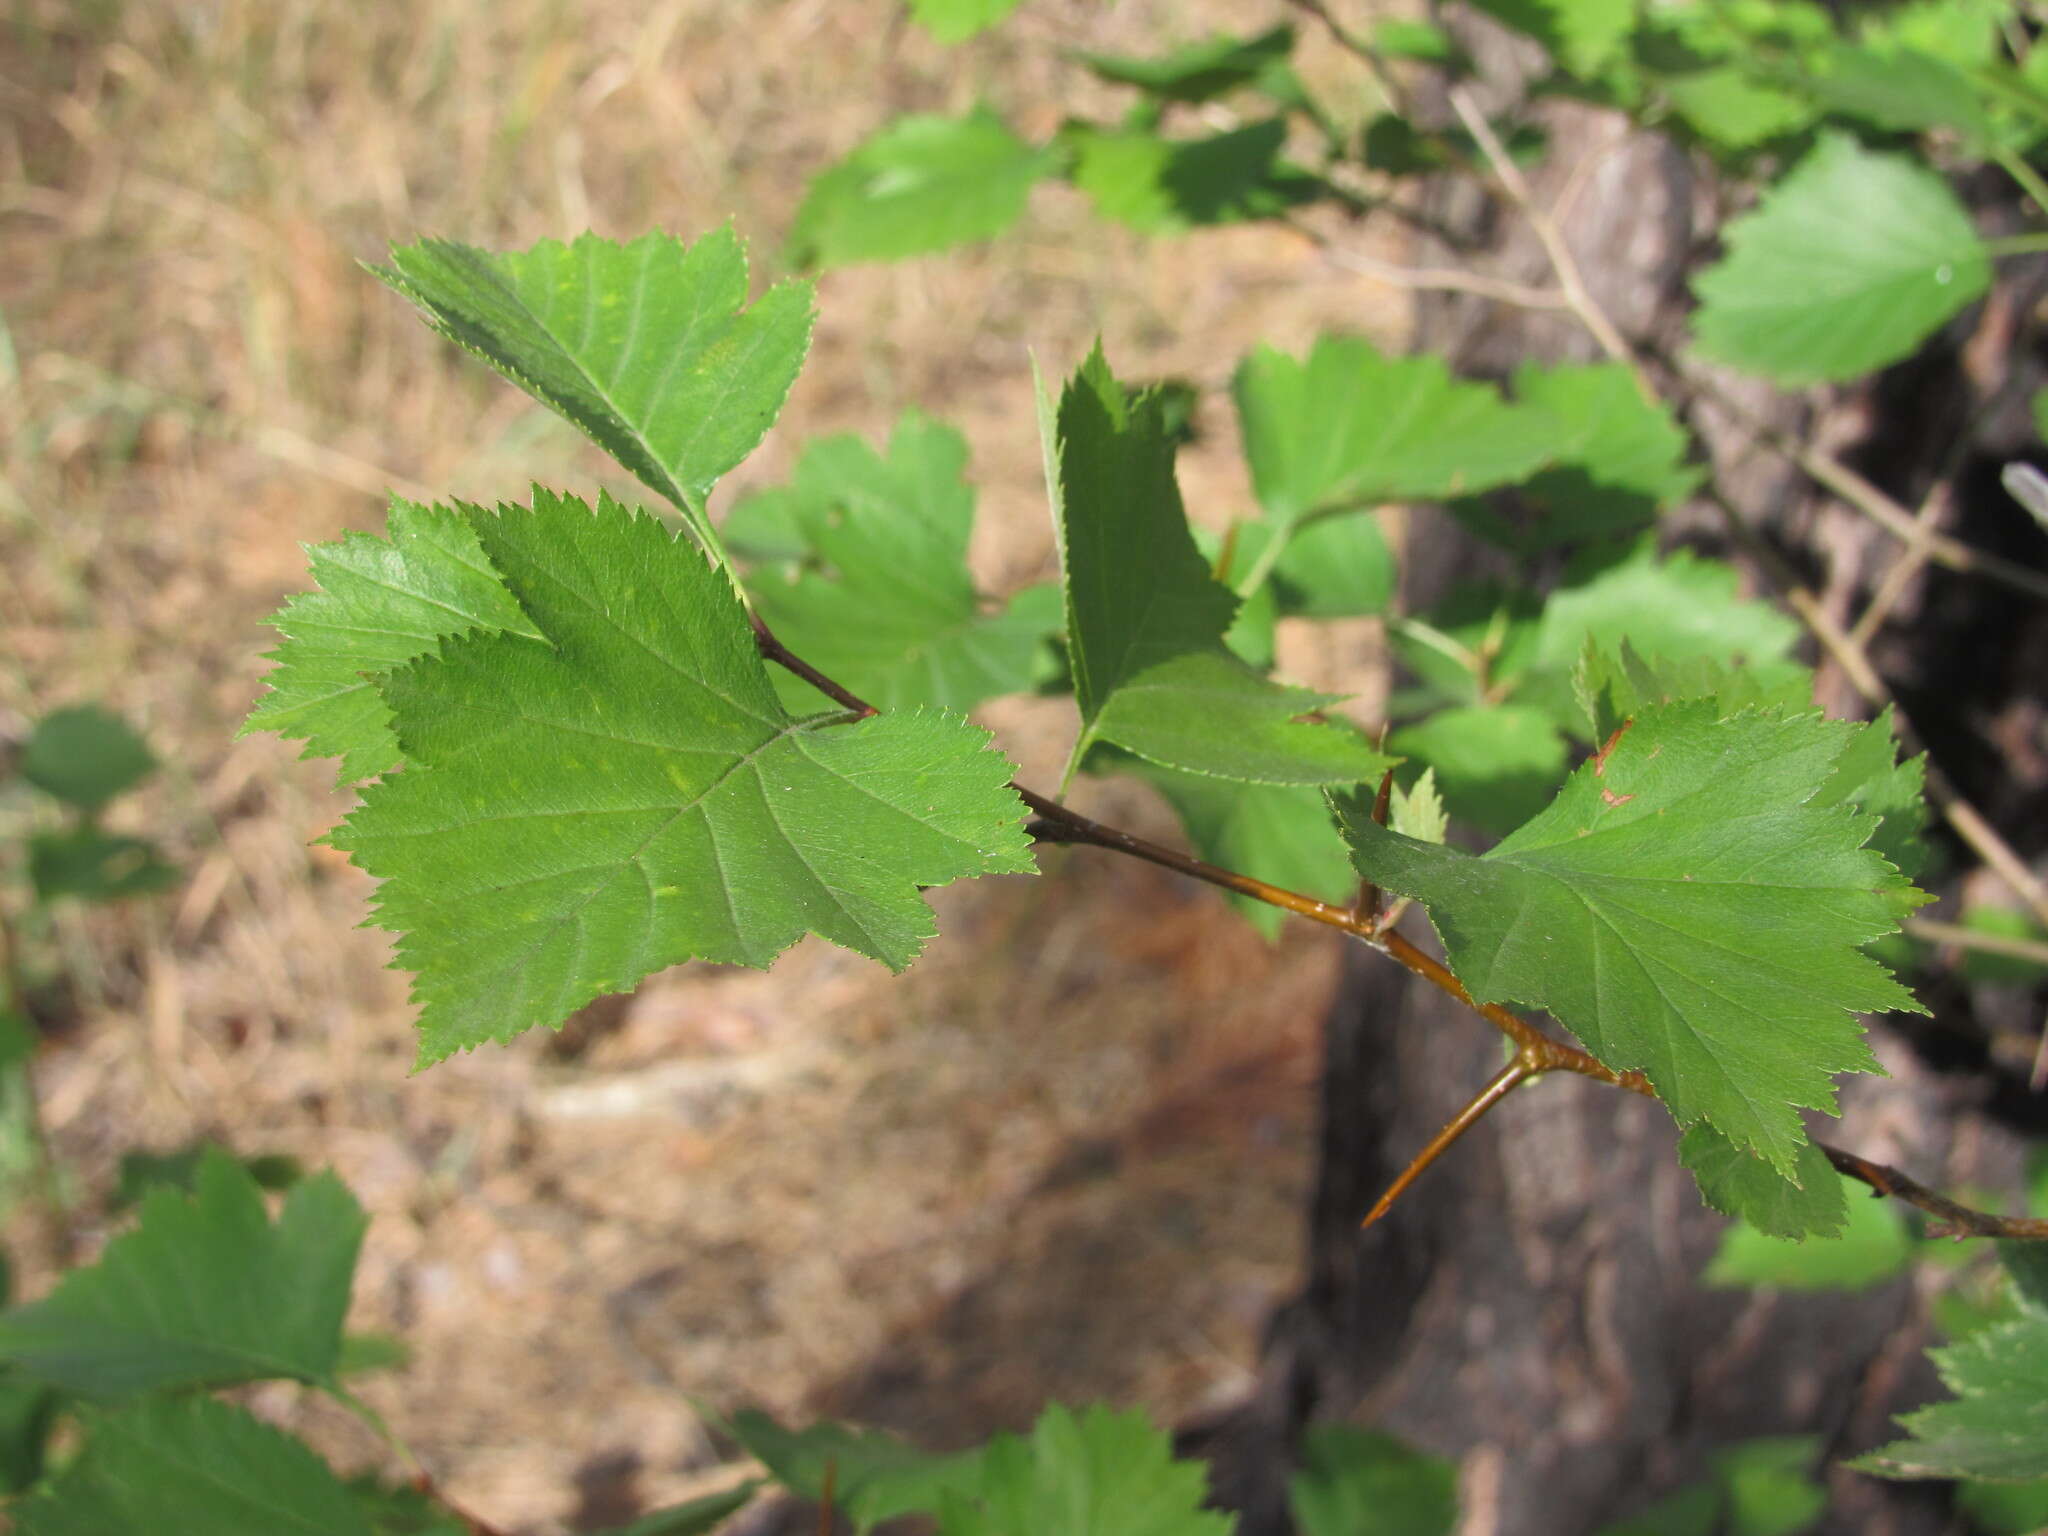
(192,1467)
(1348,425)
(650,347)
(1162,186)
(1995,1427)
(922,183)
(205,1291)
(1145,620)
(1682,909)
(1395,37)
(1620,461)
(1199,71)
(92,865)
(1096,1473)
(1499,763)
(1353,1482)
(84,755)
(380,603)
(888,607)
(954,21)
(875,1477)
(1667,609)
(1582,35)
(1418,811)
(1275,833)
(399,1510)
(1809,1204)
(1872,1246)
(628,793)
(695,1518)
(1846,265)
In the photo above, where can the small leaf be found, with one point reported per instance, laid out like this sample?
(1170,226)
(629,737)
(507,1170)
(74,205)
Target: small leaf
(1348,425)
(1846,265)
(380,603)
(28,1413)
(1095,1473)
(887,606)
(192,1467)
(84,755)
(1614,686)
(954,21)
(1870,777)
(923,183)
(1335,568)
(650,347)
(1162,186)
(92,865)
(140,1172)
(1145,620)
(1418,811)
(1499,763)
(1899,89)
(1770,1485)
(1810,1204)
(1995,1427)
(1198,72)
(1727,106)
(206,1291)
(1683,910)
(627,794)
(1353,1482)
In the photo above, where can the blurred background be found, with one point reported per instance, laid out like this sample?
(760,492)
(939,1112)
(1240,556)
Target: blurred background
(1066,1156)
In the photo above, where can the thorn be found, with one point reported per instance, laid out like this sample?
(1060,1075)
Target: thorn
(1366,904)
(1502,1083)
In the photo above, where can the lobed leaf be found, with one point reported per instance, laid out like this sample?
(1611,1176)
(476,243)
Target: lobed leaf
(1146,621)
(650,347)
(923,183)
(875,1477)
(1995,1427)
(1095,1473)
(205,1291)
(628,793)
(1685,910)
(1846,265)
(380,603)
(1810,1203)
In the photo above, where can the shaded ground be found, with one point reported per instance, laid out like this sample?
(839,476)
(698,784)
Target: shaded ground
(1083,1118)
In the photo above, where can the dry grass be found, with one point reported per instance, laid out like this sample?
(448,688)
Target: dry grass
(1086,1110)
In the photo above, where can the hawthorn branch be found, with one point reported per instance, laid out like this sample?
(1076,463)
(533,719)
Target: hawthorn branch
(1537,1050)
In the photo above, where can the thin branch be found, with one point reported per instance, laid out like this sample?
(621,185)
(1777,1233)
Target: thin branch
(1832,474)
(1954,1220)
(775,651)
(1541,1053)
(1927,930)
(1570,281)
(1502,1083)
